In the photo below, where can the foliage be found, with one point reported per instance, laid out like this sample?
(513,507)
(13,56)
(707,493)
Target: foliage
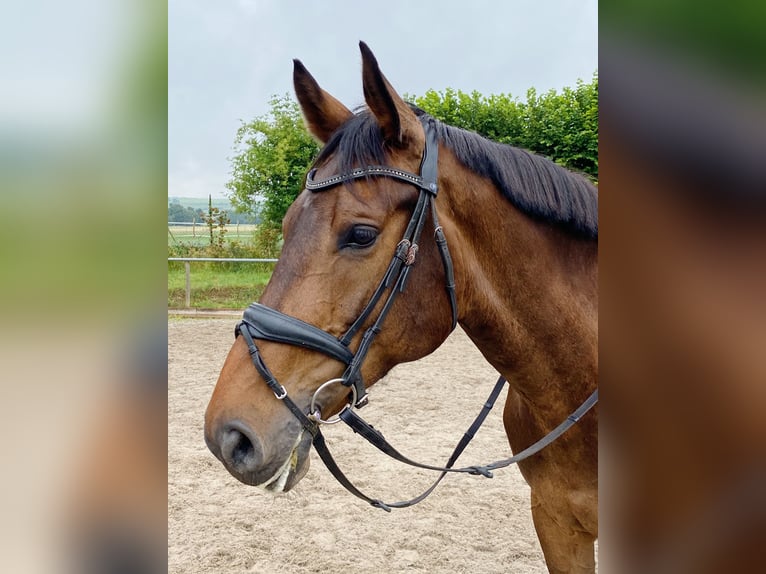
(221,285)
(272,154)
(231,248)
(562,126)
(183,213)
(263,243)
(216,221)
(267,241)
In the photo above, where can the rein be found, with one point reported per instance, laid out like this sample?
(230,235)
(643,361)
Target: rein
(262,322)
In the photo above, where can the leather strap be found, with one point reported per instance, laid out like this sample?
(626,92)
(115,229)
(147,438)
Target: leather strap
(376,438)
(365,172)
(429,166)
(391,274)
(547,439)
(279,391)
(449,271)
(406,253)
(266,323)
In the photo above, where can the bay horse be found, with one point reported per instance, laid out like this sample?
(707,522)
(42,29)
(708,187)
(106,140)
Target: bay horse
(523,244)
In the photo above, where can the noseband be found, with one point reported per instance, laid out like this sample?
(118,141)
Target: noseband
(262,322)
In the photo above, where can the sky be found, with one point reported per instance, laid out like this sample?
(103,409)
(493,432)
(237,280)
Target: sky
(227,58)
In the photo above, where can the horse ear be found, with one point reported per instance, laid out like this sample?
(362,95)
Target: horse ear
(322,112)
(399,124)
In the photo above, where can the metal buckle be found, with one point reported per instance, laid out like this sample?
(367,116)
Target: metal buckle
(411,253)
(315,413)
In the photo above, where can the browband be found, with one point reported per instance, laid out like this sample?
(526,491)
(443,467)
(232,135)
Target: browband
(426,181)
(370,170)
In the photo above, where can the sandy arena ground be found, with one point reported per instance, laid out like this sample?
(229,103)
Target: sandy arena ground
(469,524)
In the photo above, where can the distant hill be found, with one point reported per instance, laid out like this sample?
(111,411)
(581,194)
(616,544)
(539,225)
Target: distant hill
(220,202)
(201,202)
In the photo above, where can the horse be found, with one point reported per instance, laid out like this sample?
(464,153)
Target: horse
(520,277)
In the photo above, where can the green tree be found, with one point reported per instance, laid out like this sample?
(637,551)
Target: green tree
(182,213)
(562,126)
(272,154)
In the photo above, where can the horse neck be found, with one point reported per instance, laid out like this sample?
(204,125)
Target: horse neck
(527,291)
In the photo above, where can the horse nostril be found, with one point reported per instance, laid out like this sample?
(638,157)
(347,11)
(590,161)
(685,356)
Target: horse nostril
(240,449)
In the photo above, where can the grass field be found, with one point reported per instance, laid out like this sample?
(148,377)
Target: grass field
(217,285)
(199,234)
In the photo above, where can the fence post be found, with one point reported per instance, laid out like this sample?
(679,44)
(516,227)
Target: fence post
(187,265)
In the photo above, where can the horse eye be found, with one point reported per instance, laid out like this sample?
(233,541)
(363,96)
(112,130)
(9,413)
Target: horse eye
(361,236)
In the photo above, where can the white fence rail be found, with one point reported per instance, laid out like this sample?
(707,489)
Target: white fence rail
(187,267)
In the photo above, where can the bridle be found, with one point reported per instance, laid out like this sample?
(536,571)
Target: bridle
(262,322)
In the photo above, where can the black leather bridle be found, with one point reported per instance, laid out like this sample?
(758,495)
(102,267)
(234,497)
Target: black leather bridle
(262,322)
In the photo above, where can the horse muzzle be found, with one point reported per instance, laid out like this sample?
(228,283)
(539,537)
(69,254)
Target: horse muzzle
(240,450)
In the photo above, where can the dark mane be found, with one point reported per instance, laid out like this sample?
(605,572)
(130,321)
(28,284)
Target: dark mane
(535,185)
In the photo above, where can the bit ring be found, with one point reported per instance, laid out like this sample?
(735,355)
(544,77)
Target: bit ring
(316,414)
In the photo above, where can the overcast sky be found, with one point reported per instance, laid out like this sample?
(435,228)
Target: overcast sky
(228,57)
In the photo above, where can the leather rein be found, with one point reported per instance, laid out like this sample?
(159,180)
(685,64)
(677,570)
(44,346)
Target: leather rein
(262,322)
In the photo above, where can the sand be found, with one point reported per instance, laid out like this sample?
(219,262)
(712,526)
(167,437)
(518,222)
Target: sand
(469,524)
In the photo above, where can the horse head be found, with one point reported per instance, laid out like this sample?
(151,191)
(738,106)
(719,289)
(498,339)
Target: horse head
(341,243)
